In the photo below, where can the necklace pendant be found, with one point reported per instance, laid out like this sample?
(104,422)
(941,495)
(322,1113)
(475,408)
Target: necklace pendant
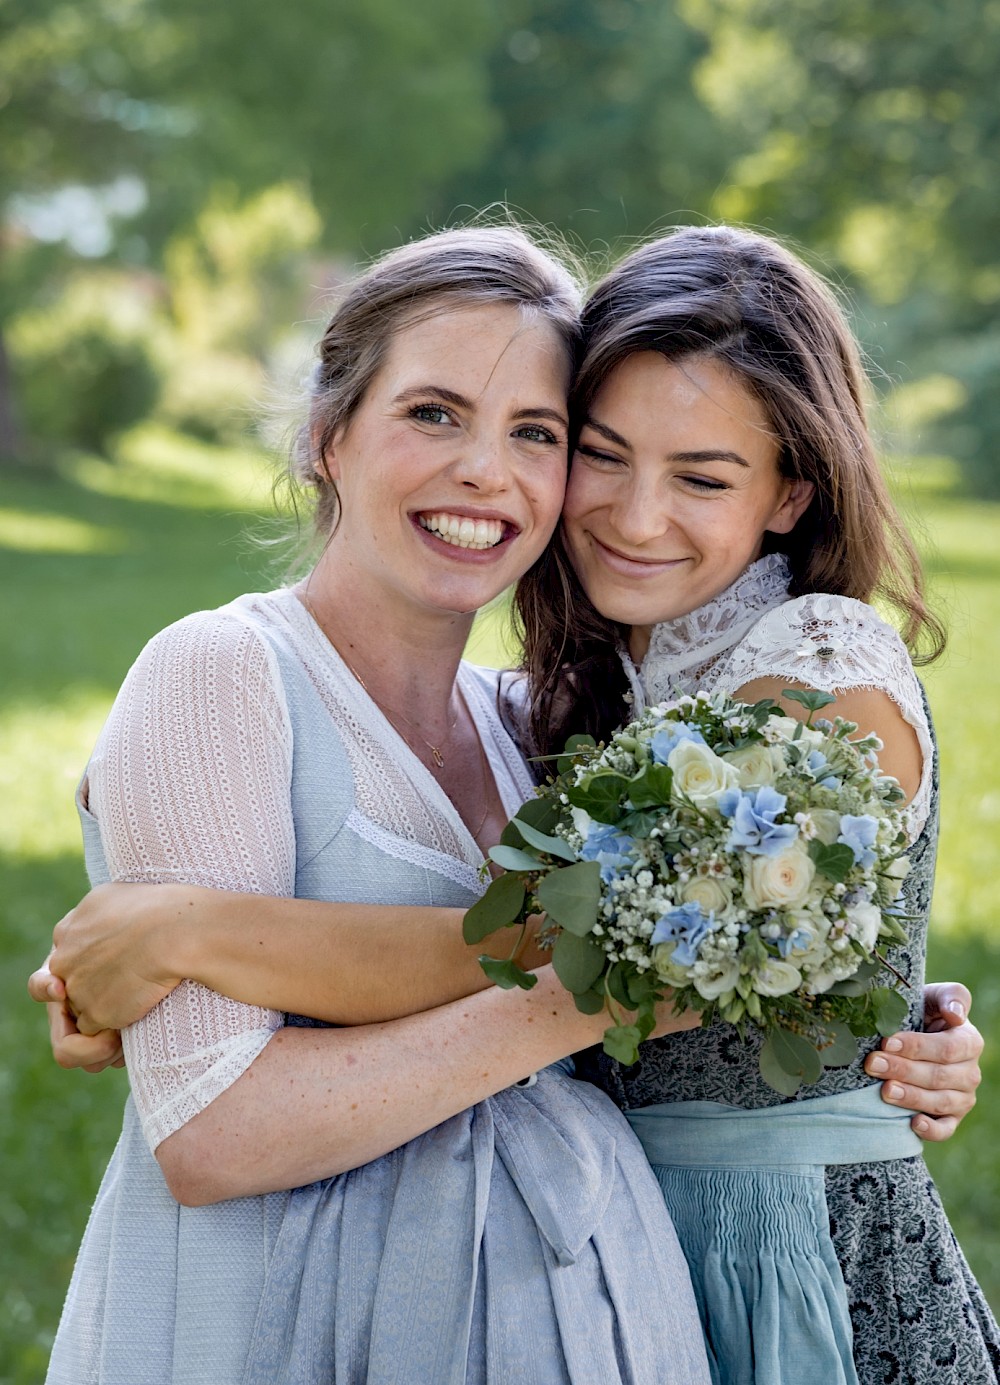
(438,757)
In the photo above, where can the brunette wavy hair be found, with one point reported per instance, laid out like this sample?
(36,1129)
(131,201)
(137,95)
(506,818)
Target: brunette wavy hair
(744,301)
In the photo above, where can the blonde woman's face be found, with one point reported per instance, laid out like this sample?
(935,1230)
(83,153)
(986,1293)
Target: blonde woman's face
(452,470)
(672,488)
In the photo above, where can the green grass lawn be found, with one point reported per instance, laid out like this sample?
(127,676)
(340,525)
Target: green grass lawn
(94,560)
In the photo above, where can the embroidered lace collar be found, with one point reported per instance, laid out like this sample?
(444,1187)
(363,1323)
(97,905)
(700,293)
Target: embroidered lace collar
(682,647)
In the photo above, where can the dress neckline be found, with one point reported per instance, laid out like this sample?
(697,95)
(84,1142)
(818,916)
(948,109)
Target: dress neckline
(681,648)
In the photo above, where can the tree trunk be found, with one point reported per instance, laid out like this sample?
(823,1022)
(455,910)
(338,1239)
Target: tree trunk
(11,440)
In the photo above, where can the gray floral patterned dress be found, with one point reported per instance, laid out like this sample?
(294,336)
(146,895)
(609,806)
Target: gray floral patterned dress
(917,1312)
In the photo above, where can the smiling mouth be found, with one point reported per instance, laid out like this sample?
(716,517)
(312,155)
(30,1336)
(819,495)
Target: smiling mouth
(462,531)
(616,557)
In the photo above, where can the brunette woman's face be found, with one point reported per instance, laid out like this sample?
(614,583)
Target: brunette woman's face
(672,488)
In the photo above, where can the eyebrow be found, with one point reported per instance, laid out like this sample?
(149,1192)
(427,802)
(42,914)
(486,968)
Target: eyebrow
(708,454)
(461,401)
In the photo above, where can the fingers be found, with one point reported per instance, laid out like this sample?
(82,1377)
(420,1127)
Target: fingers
(946,1004)
(934,1131)
(71,1049)
(43,986)
(948,1048)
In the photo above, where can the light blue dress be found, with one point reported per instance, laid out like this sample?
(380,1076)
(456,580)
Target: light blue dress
(523,1242)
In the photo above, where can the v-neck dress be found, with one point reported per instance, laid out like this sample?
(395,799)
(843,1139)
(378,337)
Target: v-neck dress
(522,1242)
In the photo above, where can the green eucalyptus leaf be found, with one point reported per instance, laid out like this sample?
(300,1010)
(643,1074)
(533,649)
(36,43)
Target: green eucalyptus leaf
(832,861)
(577,962)
(651,788)
(580,742)
(554,846)
(810,698)
(601,796)
(622,1041)
(773,1073)
(571,896)
(513,858)
(640,822)
(590,1002)
(507,974)
(890,1009)
(617,985)
(795,1055)
(500,905)
(540,813)
(840,1047)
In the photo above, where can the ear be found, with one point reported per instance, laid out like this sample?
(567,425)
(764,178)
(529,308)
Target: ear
(325,463)
(797,498)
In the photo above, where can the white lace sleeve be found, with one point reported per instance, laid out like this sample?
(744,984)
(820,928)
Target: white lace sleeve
(834,643)
(190,781)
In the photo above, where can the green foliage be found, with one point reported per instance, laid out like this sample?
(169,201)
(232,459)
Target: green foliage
(85,362)
(571,896)
(501,904)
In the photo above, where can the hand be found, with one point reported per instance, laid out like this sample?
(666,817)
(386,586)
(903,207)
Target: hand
(70,1048)
(936,1072)
(104,951)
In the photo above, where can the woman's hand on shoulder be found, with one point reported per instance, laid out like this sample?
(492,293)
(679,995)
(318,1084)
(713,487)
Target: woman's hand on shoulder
(936,1072)
(70,1048)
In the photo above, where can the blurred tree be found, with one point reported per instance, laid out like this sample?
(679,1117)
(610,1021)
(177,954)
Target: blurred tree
(599,130)
(366,102)
(873,129)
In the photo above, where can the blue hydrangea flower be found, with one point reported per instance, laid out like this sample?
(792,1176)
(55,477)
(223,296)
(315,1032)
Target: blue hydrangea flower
(799,941)
(669,737)
(608,846)
(753,814)
(859,834)
(688,923)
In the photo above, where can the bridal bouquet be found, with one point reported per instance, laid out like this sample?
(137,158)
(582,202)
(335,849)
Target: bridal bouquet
(745,860)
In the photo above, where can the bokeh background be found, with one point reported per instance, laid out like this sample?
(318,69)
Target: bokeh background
(181,185)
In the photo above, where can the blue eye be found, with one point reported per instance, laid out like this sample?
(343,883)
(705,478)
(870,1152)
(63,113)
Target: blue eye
(534,432)
(430,413)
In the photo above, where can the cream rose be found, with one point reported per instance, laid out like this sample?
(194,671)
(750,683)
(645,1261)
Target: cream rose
(783,728)
(756,765)
(666,969)
(776,978)
(722,978)
(779,882)
(710,892)
(699,774)
(827,824)
(865,919)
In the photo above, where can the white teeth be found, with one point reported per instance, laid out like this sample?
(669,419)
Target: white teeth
(464,532)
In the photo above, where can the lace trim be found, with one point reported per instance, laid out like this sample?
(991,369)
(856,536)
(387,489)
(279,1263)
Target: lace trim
(413,853)
(681,648)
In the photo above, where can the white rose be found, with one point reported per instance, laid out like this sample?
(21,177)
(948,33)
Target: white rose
(893,876)
(700,774)
(810,946)
(779,882)
(837,969)
(827,824)
(581,821)
(722,978)
(756,765)
(865,919)
(710,892)
(776,978)
(668,970)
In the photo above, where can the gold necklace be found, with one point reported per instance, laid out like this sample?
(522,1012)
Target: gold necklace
(434,749)
(390,715)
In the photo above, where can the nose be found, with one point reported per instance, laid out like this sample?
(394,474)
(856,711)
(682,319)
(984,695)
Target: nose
(640,512)
(484,464)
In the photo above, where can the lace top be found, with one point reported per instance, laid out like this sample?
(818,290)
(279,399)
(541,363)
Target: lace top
(754,630)
(190,781)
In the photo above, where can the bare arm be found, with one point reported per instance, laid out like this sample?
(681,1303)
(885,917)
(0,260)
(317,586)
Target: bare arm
(125,947)
(871,709)
(352,1095)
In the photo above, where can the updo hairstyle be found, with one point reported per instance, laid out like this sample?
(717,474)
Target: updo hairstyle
(468,267)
